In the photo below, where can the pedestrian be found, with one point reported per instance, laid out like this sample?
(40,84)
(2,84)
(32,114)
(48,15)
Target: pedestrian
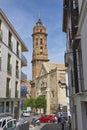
(62,123)
(69,121)
(59,119)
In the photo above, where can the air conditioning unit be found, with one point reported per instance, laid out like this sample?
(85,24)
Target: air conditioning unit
(1,35)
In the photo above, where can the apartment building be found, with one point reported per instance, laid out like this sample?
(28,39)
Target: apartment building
(11,62)
(75,27)
(47,84)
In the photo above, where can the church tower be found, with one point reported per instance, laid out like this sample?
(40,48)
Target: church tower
(40,53)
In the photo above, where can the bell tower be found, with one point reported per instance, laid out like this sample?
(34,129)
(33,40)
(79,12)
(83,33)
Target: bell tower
(40,53)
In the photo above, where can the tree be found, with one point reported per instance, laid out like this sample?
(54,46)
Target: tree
(32,102)
(26,103)
(40,102)
(29,102)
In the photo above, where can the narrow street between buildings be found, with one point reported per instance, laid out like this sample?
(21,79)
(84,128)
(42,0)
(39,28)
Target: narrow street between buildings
(50,126)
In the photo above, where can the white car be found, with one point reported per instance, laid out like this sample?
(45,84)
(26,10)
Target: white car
(26,113)
(7,123)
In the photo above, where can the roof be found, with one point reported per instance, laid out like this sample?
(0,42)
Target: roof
(50,66)
(24,48)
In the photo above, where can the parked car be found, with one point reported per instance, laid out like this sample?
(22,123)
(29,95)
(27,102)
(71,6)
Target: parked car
(26,113)
(47,118)
(7,123)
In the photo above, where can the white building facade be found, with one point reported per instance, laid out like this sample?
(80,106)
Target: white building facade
(75,27)
(11,62)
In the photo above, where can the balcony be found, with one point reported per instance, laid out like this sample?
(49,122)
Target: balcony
(23,76)
(1,34)
(68,57)
(76,41)
(75,17)
(24,60)
(9,69)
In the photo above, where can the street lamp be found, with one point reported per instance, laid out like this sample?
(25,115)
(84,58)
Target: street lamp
(63,85)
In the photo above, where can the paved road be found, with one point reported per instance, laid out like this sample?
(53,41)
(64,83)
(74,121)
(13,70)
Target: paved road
(49,126)
(46,126)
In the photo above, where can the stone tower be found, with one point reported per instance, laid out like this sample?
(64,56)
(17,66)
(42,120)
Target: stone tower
(40,53)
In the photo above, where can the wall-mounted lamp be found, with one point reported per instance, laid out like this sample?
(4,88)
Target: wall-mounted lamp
(61,85)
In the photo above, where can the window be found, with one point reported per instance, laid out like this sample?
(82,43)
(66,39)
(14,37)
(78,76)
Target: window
(40,30)
(36,41)
(0,24)
(0,30)
(9,66)
(75,4)
(1,107)
(8,88)
(17,69)
(16,87)
(41,47)
(41,41)
(0,57)
(10,40)
(80,68)
(17,48)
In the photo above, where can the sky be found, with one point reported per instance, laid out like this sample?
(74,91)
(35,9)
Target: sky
(23,15)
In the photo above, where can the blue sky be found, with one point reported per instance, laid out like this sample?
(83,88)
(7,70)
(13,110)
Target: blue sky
(23,15)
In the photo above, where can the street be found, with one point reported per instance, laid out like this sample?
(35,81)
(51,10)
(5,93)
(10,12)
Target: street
(46,126)
(49,126)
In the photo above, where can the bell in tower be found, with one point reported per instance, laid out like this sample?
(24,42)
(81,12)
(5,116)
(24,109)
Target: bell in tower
(40,52)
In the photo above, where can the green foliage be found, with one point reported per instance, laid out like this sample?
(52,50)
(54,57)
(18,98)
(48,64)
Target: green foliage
(26,103)
(29,102)
(40,102)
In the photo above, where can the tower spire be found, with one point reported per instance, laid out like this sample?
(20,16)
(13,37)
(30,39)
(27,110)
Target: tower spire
(39,22)
(38,15)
